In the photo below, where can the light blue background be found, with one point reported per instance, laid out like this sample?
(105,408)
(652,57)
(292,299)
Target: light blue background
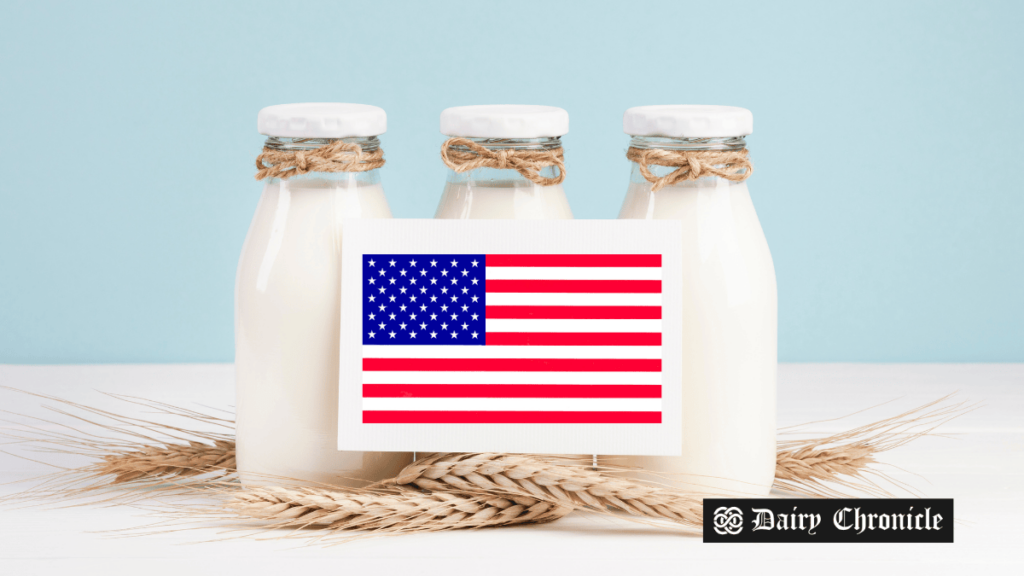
(887,144)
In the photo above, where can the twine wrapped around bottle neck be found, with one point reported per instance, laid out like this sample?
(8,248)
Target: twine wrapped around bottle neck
(529,163)
(732,165)
(338,156)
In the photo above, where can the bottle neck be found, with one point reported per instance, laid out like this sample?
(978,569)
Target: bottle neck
(368,144)
(688,144)
(724,144)
(504,178)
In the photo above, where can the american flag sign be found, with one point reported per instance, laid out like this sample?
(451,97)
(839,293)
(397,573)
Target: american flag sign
(511,338)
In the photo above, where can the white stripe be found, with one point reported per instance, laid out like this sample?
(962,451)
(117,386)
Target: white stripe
(539,325)
(531,299)
(610,352)
(572,273)
(427,377)
(517,404)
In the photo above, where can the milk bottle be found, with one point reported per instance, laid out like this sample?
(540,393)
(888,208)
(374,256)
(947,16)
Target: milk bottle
(690,163)
(320,165)
(506,163)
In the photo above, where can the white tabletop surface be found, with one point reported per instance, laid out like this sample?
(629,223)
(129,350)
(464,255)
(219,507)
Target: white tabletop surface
(981,466)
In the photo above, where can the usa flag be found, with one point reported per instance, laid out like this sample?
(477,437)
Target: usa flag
(512,339)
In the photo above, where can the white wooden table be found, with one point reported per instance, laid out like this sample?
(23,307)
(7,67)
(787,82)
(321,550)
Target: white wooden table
(982,467)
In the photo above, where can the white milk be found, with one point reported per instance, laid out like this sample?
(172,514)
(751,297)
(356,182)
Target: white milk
(729,318)
(287,330)
(517,199)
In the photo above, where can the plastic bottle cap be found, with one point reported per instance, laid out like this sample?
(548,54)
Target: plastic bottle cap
(505,121)
(322,120)
(688,121)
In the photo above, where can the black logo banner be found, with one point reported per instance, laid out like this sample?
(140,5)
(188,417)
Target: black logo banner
(828,520)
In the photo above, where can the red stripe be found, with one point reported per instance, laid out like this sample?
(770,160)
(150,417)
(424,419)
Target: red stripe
(511,391)
(574,339)
(508,365)
(576,286)
(501,417)
(590,260)
(576,312)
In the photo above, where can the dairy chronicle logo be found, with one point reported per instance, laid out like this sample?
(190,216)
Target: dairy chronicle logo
(728,520)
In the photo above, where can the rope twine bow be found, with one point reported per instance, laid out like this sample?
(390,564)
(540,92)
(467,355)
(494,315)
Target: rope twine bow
(529,163)
(338,156)
(732,165)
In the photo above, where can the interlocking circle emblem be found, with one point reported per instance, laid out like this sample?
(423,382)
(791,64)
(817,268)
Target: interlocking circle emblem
(728,520)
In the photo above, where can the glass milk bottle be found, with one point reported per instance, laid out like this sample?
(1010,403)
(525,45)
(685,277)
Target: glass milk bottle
(506,163)
(690,163)
(320,164)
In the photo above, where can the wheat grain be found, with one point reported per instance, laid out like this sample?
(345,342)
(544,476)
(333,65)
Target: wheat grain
(573,486)
(386,512)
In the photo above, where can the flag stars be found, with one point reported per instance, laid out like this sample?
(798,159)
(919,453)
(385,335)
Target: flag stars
(402,271)
(372,281)
(412,334)
(433,280)
(423,308)
(372,315)
(454,263)
(372,263)
(412,281)
(444,272)
(381,325)
(475,281)
(433,316)
(433,263)
(383,272)
(455,280)
(392,263)
(402,290)
(444,290)
(433,298)
(423,290)
(402,325)
(444,326)
(391,280)
(444,308)
(423,272)
(465,272)
(465,326)
(455,298)
(382,290)
(392,334)
(401,308)
(423,326)
(465,290)
(475,334)
(412,263)
(372,297)
(392,298)
(382,307)
(454,334)
(474,263)
(465,308)
(391,316)
(474,316)
(475,298)
(433,334)
(455,316)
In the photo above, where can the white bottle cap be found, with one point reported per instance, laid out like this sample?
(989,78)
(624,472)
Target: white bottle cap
(322,120)
(505,121)
(688,121)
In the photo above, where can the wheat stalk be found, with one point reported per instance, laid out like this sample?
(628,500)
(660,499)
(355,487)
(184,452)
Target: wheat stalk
(576,487)
(132,454)
(397,512)
(838,465)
